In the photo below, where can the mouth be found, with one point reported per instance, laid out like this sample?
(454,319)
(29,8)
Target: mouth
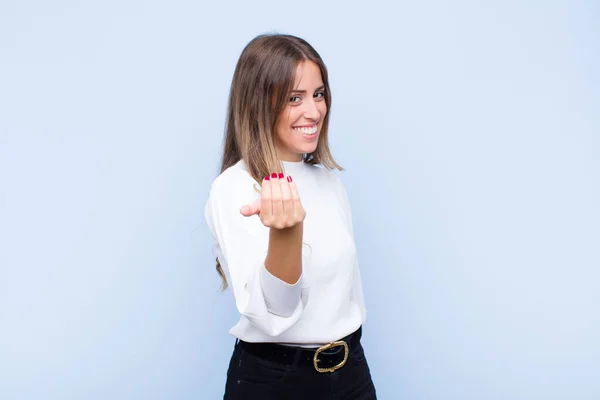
(306,130)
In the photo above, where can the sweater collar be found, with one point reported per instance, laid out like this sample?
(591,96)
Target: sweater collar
(295,168)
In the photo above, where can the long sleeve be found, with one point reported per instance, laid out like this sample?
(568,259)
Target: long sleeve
(356,294)
(241,244)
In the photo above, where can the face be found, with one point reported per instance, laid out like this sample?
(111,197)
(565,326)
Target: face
(299,126)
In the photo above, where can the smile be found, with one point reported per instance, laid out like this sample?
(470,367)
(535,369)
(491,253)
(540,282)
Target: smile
(307,130)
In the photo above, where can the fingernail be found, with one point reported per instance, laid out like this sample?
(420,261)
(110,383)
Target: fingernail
(280,175)
(289,178)
(267,178)
(274,175)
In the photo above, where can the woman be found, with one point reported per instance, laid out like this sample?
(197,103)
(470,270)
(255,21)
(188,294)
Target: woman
(283,233)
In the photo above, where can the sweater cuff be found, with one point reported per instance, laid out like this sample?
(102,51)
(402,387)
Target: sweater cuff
(281,298)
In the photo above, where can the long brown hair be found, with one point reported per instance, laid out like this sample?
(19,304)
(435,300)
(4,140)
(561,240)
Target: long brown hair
(262,82)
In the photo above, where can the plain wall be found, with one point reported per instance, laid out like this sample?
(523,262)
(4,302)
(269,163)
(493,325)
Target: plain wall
(470,134)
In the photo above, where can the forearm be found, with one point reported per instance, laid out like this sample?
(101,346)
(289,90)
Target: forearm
(284,255)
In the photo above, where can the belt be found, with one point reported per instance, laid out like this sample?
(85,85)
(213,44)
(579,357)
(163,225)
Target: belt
(327,358)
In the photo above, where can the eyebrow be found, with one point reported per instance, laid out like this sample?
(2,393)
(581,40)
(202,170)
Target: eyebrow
(304,91)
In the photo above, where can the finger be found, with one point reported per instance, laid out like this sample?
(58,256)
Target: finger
(251,209)
(266,208)
(298,209)
(276,196)
(286,198)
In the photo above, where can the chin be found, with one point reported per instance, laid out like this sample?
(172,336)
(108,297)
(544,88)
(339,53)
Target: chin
(308,150)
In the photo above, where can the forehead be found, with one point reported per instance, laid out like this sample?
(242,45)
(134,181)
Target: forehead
(308,75)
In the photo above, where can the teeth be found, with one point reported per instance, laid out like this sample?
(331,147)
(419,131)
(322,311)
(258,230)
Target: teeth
(307,131)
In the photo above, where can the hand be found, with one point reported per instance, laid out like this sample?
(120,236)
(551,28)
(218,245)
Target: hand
(279,206)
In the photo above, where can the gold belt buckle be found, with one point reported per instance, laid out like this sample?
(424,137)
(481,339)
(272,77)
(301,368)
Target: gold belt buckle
(327,347)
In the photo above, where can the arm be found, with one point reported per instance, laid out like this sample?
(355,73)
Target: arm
(280,210)
(262,265)
(284,257)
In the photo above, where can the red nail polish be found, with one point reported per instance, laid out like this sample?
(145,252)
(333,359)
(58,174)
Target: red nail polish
(289,178)
(274,175)
(281,175)
(267,178)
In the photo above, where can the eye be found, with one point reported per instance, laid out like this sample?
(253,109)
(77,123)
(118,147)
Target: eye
(295,99)
(319,95)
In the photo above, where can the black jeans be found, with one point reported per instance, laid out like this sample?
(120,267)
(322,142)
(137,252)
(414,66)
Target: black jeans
(251,377)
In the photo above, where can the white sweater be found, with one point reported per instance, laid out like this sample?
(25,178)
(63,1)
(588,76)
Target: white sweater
(327,302)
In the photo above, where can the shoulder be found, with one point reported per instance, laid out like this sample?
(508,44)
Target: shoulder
(234,186)
(328,178)
(330,183)
(236,174)
(325,175)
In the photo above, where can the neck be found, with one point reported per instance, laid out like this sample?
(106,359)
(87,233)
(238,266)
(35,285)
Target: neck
(288,156)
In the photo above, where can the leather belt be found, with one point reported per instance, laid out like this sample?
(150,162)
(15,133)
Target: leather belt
(327,358)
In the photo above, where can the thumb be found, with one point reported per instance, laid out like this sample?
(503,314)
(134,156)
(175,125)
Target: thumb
(250,209)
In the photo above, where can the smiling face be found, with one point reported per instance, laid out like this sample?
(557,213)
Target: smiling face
(298,128)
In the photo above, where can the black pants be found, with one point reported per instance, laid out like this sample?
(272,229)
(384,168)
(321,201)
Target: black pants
(262,372)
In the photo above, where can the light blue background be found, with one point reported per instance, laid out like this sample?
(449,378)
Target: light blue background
(471,136)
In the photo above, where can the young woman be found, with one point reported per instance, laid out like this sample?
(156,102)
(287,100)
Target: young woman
(283,233)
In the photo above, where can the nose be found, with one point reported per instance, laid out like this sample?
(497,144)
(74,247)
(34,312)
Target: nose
(311,111)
